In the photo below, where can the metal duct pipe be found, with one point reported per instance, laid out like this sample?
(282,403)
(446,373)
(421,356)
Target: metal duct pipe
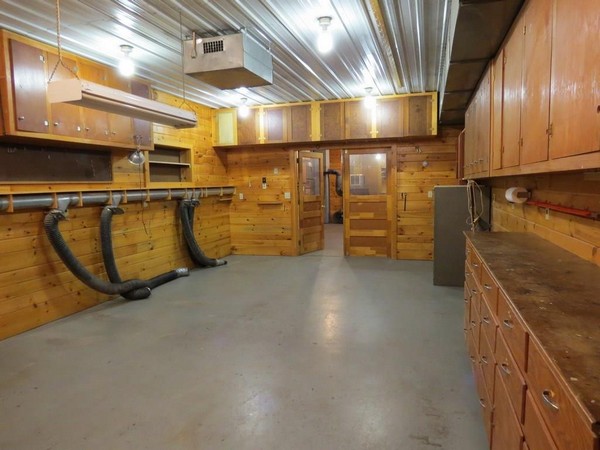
(186,215)
(44,201)
(338,181)
(108,257)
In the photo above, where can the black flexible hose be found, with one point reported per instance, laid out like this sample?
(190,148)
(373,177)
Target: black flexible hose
(338,181)
(186,215)
(62,249)
(111,266)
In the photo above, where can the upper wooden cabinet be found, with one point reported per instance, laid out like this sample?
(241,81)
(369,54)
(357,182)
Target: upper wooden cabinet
(575,103)
(544,95)
(392,117)
(477,131)
(27,114)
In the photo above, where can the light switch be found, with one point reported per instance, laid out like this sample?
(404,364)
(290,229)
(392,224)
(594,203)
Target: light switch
(241,196)
(276,171)
(287,195)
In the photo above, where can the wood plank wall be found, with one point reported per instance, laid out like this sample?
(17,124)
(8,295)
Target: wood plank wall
(335,201)
(36,287)
(261,222)
(414,182)
(580,236)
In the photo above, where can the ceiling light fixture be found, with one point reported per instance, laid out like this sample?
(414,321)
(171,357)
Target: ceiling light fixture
(243,109)
(369,100)
(324,41)
(126,64)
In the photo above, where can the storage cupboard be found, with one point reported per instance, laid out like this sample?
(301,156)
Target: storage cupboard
(532,336)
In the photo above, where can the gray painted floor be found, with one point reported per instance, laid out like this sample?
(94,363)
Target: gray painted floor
(314,352)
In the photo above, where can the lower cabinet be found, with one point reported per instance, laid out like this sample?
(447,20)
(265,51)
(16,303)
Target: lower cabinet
(528,369)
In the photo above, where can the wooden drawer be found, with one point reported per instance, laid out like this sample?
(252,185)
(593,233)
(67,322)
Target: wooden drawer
(467,314)
(475,265)
(489,288)
(472,350)
(485,401)
(475,323)
(513,330)
(507,433)
(511,375)
(488,364)
(536,433)
(488,323)
(564,419)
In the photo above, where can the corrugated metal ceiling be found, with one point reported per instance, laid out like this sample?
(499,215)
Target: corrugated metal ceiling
(394,46)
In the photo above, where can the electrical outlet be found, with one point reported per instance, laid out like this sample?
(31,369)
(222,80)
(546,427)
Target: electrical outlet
(276,171)
(430,194)
(241,196)
(287,195)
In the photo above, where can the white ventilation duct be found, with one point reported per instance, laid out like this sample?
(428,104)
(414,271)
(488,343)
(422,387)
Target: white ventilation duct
(91,95)
(228,62)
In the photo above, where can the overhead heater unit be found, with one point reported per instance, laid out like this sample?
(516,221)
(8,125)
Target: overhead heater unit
(96,96)
(228,62)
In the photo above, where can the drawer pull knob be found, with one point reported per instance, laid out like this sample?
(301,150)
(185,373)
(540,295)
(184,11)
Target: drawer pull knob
(482,402)
(484,359)
(508,324)
(505,368)
(474,291)
(487,286)
(485,320)
(547,396)
(467,274)
(475,265)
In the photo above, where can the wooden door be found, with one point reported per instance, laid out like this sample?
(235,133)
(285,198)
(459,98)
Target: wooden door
(66,118)
(142,129)
(120,127)
(275,124)
(310,182)
(358,120)
(368,203)
(536,81)
(391,117)
(497,87)
(29,87)
(248,127)
(511,107)
(575,99)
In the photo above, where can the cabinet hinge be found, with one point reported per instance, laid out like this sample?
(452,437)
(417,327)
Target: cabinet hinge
(520,142)
(503,60)
(524,29)
(549,130)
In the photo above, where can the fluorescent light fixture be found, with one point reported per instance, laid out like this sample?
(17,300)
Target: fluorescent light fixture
(95,96)
(324,41)
(126,64)
(243,109)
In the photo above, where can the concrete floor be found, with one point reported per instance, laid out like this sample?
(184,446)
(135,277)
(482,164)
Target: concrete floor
(315,352)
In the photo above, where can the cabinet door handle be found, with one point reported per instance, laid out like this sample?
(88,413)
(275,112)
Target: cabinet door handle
(467,274)
(485,320)
(508,324)
(21,118)
(475,265)
(505,368)
(487,286)
(484,359)
(547,396)
(482,402)
(474,291)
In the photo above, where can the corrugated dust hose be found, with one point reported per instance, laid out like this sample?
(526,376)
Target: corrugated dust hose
(186,215)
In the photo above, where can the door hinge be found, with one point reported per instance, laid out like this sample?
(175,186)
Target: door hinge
(524,29)
(503,60)
(521,142)
(549,130)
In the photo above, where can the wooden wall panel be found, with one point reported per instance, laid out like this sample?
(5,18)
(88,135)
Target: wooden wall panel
(414,182)
(36,287)
(261,222)
(577,190)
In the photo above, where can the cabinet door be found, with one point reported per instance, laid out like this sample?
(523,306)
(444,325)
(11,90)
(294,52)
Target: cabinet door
(29,87)
(224,127)
(497,88)
(511,108)
(470,137)
(575,102)
(419,116)
(358,120)
(142,129)
(391,116)
(66,119)
(275,123)
(507,431)
(120,127)
(482,157)
(95,122)
(332,121)
(247,128)
(300,129)
(536,81)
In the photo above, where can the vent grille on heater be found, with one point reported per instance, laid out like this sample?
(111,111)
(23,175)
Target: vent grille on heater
(212,46)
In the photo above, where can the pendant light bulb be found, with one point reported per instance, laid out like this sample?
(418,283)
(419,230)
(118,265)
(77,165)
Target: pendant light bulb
(126,65)
(369,100)
(243,109)
(324,41)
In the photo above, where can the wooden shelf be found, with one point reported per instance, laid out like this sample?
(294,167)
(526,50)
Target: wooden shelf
(168,163)
(270,203)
